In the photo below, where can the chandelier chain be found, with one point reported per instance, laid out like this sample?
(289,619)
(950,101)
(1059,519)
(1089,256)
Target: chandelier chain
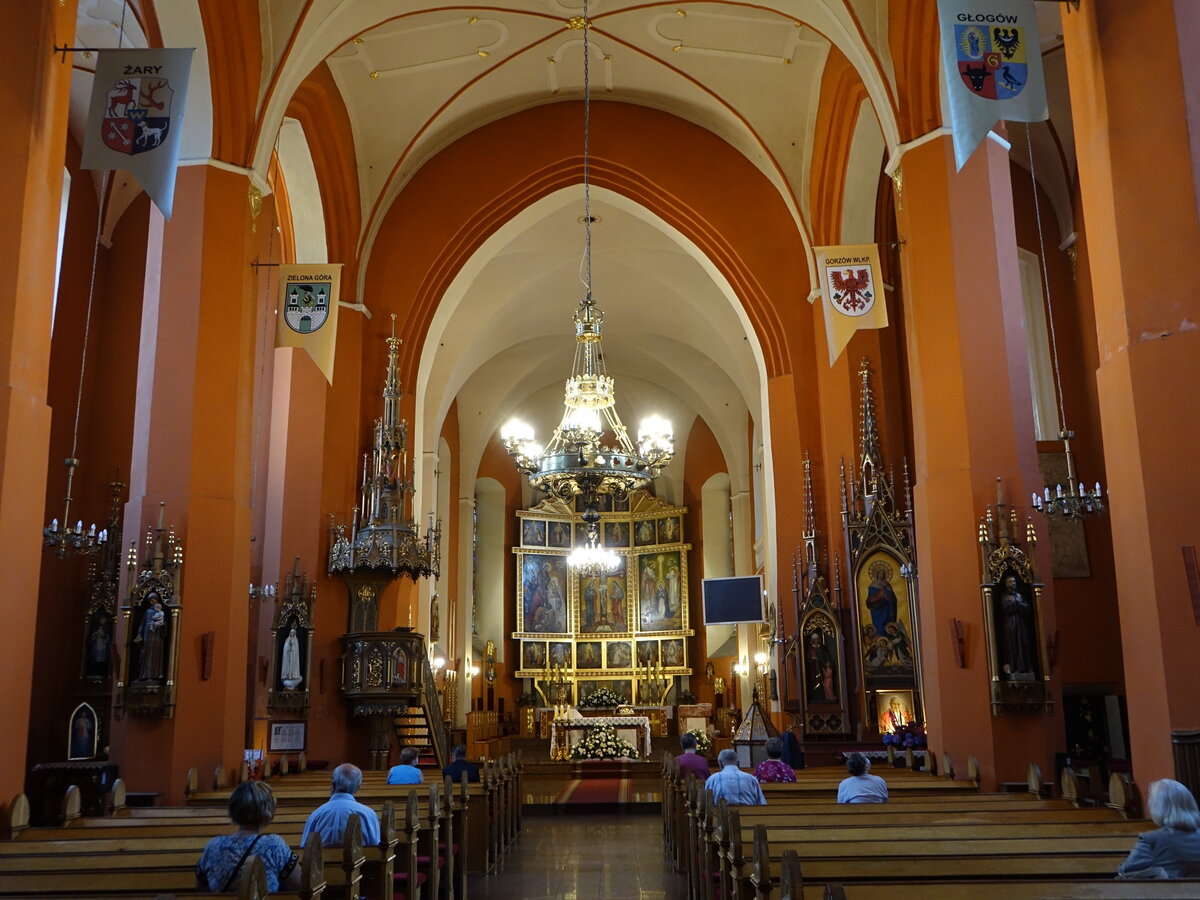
(587,190)
(1037,214)
(87,319)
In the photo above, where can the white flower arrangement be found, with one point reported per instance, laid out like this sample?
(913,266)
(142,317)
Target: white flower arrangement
(602,697)
(601,742)
(704,743)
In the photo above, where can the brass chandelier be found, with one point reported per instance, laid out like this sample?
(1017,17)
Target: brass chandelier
(590,452)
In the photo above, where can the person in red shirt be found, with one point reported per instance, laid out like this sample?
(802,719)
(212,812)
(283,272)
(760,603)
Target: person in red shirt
(773,768)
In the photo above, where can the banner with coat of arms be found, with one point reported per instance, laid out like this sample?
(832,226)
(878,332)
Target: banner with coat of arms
(852,288)
(135,120)
(992,62)
(308,304)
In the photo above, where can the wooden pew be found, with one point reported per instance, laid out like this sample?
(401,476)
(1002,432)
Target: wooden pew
(142,876)
(1017,889)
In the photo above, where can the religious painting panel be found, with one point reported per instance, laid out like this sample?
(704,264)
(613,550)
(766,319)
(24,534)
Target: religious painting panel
(623,688)
(672,652)
(660,591)
(886,621)
(581,535)
(560,654)
(589,655)
(97,645)
(894,709)
(83,735)
(616,534)
(543,593)
(151,640)
(821,660)
(291,654)
(619,655)
(558,535)
(643,533)
(602,607)
(533,533)
(647,653)
(669,531)
(533,654)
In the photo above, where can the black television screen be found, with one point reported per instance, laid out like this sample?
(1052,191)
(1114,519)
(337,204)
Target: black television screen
(733,601)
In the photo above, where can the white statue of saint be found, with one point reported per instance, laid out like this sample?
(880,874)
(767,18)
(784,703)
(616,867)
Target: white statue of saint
(289,668)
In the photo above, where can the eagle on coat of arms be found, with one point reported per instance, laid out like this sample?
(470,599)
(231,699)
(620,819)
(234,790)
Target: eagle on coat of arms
(852,290)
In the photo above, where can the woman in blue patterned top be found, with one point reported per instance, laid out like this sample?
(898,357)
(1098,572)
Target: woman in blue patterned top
(251,808)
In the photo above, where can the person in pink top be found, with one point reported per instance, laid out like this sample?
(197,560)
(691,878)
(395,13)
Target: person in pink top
(689,760)
(773,769)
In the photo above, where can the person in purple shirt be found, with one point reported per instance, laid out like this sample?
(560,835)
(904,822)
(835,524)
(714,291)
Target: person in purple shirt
(691,762)
(773,769)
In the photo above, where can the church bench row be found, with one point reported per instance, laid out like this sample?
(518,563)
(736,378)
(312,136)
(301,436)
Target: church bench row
(708,837)
(1073,889)
(138,880)
(172,850)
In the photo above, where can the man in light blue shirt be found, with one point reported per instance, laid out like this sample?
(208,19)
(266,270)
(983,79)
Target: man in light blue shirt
(406,772)
(329,819)
(737,787)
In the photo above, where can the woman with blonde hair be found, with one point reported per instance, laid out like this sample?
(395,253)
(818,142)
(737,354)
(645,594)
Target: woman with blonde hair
(1173,851)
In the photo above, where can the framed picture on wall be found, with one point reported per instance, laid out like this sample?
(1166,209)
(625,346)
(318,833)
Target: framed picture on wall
(287,737)
(558,535)
(533,532)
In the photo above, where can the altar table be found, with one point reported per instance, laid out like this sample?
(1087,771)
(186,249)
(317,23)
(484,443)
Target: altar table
(634,729)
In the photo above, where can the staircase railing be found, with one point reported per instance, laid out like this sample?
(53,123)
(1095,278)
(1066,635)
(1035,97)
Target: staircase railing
(439,734)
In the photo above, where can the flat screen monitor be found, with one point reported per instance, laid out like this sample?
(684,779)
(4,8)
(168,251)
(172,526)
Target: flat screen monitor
(734,601)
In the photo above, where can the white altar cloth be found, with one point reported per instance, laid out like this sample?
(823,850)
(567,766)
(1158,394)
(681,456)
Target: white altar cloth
(635,729)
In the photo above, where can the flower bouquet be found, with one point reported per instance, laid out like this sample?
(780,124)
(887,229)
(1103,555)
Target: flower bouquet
(905,737)
(601,698)
(704,743)
(601,742)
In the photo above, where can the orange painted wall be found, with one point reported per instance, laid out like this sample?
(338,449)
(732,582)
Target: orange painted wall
(1089,621)
(702,459)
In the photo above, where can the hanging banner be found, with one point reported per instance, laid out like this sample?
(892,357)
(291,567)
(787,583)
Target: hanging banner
(135,120)
(852,288)
(992,63)
(308,304)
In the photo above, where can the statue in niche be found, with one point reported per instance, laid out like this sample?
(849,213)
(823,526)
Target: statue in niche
(99,646)
(289,666)
(151,640)
(1018,647)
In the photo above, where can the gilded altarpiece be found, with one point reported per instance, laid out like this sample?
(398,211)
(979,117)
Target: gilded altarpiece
(603,631)
(882,568)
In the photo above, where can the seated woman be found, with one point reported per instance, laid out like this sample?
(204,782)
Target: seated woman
(773,769)
(251,808)
(1173,851)
(861,786)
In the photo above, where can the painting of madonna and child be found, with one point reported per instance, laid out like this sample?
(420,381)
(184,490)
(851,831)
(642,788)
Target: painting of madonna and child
(886,621)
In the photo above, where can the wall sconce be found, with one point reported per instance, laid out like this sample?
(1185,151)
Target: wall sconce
(471,669)
(266,592)
(760,660)
(437,662)
(740,669)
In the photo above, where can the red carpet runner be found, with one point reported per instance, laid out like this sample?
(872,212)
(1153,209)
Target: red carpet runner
(595,790)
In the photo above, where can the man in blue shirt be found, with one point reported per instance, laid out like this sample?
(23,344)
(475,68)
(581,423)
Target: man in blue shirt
(459,764)
(329,819)
(406,772)
(737,787)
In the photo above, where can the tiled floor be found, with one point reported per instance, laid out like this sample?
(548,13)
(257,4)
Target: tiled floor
(584,857)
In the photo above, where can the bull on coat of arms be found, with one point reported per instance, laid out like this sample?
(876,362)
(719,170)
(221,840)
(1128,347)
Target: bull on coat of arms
(137,115)
(992,60)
